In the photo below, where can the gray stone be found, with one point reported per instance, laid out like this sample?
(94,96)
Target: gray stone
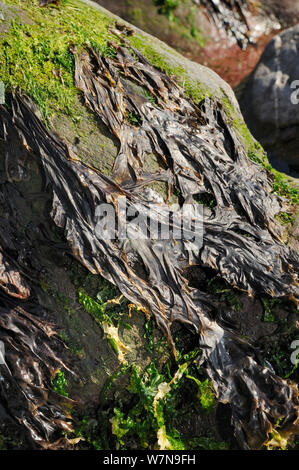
(270,101)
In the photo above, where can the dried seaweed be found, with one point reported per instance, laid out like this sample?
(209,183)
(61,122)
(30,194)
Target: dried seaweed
(199,154)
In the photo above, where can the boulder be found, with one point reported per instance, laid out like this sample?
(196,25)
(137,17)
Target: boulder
(269,101)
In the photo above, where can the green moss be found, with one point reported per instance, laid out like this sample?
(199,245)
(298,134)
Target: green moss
(2,442)
(196,34)
(285,218)
(193,89)
(191,21)
(62,299)
(36,57)
(133,118)
(281,187)
(269,304)
(250,144)
(182,26)
(59,383)
(155,58)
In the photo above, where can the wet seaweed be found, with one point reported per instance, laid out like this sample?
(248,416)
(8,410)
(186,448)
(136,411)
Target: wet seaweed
(199,154)
(32,353)
(44,3)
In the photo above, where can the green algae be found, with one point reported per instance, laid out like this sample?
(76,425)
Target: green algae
(59,383)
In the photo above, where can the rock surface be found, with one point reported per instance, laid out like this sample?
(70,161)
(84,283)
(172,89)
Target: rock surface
(77,335)
(270,100)
(62,291)
(227,36)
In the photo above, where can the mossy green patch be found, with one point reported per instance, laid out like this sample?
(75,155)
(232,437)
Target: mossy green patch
(281,187)
(36,57)
(73,348)
(279,354)
(184,26)
(269,316)
(167,7)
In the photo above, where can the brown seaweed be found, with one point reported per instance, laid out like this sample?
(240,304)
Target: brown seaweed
(231,17)
(200,154)
(44,3)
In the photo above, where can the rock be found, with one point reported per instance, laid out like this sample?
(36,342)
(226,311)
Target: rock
(62,291)
(195,24)
(201,77)
(269,101)
(287,11)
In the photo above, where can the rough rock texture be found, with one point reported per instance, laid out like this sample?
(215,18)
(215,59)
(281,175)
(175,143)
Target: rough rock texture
(227,36)
(270,101)
(197,23)
(287,11)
